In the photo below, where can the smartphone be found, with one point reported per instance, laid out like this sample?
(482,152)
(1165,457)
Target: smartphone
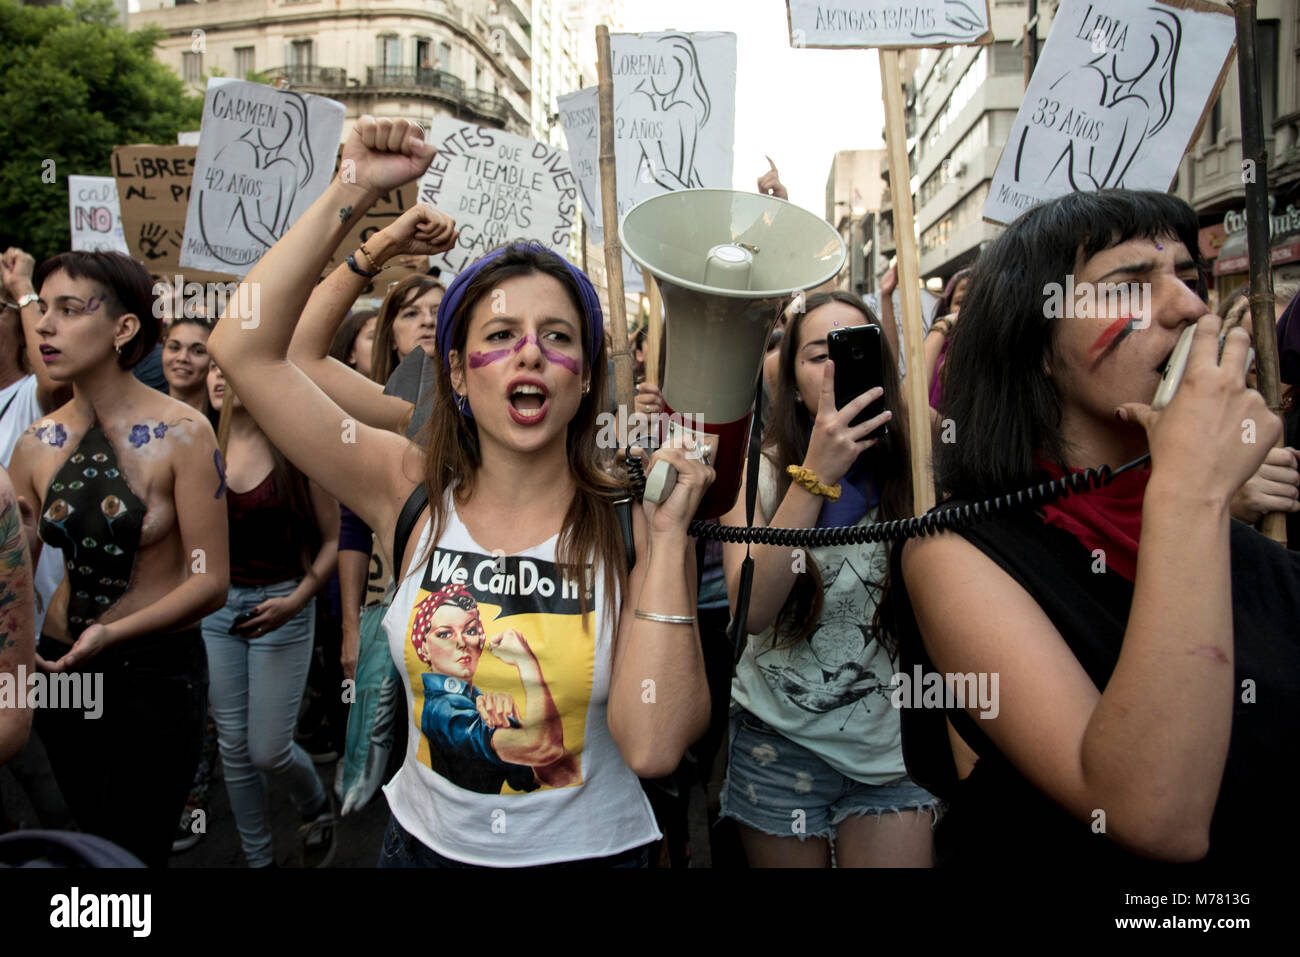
(240,621)
(859,367)
(1177,365)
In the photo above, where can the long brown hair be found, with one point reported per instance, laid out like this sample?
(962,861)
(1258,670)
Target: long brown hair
(452,456)
(383,354)
(786,443)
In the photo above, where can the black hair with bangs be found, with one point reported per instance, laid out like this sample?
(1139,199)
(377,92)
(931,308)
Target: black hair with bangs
(999,395)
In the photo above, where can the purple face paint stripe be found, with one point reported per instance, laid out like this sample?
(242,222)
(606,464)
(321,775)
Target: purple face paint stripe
(560,359)
(479,359)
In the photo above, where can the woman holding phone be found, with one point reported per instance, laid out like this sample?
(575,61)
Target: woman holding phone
(515,496)
(816,760)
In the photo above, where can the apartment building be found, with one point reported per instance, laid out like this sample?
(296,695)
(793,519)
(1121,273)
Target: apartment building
(470,59)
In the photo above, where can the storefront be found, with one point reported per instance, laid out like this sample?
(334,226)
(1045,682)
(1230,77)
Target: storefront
(1232,264)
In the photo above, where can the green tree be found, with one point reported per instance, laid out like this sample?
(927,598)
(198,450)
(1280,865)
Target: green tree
(74,83)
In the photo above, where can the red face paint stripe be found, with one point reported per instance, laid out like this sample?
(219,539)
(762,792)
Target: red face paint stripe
(1112,334)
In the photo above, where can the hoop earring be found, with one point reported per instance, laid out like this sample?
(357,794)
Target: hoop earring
(586,388)
(460,403)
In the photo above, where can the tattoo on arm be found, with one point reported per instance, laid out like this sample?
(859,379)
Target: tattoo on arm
(15,574)
(345,214)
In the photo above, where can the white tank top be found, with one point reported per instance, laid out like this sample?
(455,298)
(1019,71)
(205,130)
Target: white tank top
(467,788)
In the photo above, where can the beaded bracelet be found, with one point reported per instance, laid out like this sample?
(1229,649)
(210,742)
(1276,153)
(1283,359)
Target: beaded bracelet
(352,264)
(807,478)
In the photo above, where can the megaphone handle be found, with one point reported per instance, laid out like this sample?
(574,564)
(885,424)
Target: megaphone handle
(659,483)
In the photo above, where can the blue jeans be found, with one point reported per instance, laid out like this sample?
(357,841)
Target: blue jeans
(403,849)
(772,784)
(256,687)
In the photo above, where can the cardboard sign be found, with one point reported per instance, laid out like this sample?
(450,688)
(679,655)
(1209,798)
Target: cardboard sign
(1118,95)
(265,155)
(95,215)
(153,187)
(674,123)
(498,187)
(887,23)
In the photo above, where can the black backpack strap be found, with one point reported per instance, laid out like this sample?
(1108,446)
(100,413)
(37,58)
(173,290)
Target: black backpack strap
(415,505)
(623,512)
(737,630)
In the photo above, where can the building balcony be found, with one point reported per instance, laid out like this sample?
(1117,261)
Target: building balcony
(520,76)
(521,10)
(409,79)
(311,78)
(487,105)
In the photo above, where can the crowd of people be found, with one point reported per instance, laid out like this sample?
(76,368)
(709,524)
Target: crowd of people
(413,500)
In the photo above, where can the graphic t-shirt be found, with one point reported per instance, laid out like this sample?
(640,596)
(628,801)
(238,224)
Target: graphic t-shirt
(509,759)
(831,693)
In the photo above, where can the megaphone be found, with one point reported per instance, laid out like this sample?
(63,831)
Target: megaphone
(725,261)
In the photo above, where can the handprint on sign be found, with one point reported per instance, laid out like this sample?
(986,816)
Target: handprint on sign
(153,240)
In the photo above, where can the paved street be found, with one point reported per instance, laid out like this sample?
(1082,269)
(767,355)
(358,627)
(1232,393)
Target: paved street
(360,834)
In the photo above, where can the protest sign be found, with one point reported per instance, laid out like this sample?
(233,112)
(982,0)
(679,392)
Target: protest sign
(580,118)
(265,155)
(153,187)
(674,126)
(187,138)
(1119,93)
(94,214)
(888,23)
(498,187)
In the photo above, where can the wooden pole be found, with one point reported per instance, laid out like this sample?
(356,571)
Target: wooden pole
(654,328)
(1263,316)
(916,388)
(624,386)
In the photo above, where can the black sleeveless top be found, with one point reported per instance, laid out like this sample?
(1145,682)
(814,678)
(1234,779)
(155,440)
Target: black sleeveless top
(996,815)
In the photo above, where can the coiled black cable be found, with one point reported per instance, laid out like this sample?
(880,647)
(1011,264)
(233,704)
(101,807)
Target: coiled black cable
(949,518)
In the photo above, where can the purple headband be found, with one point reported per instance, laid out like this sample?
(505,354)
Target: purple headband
(455,295)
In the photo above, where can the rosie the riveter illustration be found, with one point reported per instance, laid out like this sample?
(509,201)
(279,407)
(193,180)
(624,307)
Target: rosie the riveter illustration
(477,741)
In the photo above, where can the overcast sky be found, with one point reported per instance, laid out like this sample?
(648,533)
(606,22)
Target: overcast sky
(797,106)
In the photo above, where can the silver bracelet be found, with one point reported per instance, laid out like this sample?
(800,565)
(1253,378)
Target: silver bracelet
(664,619)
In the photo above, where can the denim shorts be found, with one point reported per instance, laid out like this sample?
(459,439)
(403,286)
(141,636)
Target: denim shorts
(781,788)
(403,849)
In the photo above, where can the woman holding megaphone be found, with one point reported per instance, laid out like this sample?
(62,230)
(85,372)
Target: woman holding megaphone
(521,516)
(816,758)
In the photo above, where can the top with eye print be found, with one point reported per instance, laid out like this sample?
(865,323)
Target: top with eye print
(95,518)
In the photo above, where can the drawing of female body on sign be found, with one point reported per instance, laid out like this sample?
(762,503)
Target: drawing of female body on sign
(264,155)
(1114,102)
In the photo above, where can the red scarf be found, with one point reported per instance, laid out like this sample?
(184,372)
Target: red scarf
(1108,518)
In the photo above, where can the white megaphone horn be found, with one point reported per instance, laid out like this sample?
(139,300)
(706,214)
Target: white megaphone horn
(725,262)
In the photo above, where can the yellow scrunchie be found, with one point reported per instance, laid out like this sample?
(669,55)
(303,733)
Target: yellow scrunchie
(807,478)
